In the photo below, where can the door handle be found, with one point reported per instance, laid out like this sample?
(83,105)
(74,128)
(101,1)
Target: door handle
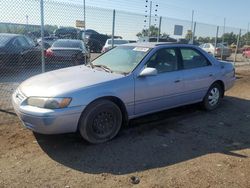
(211,75)
(177,81)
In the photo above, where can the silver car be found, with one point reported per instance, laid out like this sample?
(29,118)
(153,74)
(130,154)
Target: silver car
(124,83)
(218,51)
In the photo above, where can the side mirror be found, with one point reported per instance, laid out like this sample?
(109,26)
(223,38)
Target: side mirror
(148,72)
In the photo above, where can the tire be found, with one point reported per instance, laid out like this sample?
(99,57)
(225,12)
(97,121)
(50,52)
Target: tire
(100,122)
(213,97)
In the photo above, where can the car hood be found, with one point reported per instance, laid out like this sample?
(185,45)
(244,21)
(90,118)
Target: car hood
(63,81)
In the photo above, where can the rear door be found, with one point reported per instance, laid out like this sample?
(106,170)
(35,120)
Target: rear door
(154,93)
(29,53)
(197,73)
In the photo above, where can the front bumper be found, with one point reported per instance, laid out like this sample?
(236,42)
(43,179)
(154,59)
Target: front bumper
(47,121)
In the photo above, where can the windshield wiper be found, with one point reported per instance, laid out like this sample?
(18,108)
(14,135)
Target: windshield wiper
(90,64)
(104,67)
(107,69)
(121,72)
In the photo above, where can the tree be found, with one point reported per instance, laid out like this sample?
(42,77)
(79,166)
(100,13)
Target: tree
(151,32)
(205,39)
(245,39)
(50,28)
(230,38)
(188,35)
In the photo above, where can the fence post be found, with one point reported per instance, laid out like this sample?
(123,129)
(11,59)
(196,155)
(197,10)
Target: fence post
(159,29)
(113,29)
(84,37)
(193,33)
(42,34)
(237,45)
(224,27)
(216,38)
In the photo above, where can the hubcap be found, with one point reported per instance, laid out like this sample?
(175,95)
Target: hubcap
(214,96)
(103,124)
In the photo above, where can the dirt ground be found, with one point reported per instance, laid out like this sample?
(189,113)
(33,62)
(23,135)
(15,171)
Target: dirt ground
(184,147)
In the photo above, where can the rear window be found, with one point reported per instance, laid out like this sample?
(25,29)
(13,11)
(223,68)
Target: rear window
(68,44)
(220,46)
(4,40)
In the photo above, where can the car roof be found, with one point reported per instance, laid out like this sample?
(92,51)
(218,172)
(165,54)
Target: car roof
(10,34)
(68,40)
(155,44)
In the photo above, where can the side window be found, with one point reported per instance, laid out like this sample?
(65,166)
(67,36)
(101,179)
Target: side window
(164,60)
(192,59)
(16,43)
(206,46)
(23,42)
(30,41)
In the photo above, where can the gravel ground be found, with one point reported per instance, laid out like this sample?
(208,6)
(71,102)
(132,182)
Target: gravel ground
(183,147)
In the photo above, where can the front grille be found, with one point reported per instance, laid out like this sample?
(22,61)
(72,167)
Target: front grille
(20,97)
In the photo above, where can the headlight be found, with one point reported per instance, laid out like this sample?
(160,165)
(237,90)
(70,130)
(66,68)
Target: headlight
(50,103)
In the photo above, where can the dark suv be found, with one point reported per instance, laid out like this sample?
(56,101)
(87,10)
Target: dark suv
(67,33)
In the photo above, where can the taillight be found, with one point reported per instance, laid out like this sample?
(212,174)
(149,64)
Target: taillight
(217,49)
(104,49)
(49,53)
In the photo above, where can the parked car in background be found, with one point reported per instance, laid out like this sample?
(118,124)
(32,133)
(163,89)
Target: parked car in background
(244,48)
(218,51)
(95,42)
(67,33)
(246,53)
(48,41)
(117,42)
(154,39)
(126,82)
(86,33)
(67,50)
(18,50)
(34,35)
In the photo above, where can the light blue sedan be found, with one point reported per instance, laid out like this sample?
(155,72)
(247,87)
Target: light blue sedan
(126,82)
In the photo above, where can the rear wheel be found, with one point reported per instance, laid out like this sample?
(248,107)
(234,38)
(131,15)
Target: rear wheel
(213,97)
(100,122)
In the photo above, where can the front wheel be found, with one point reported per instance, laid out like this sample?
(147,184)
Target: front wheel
(213,97)
(100,122)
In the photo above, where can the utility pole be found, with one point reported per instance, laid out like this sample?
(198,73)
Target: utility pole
(248,33)
(150,15)
(27,23)
(224,28)
(192,21)
(42,34)
(84,36)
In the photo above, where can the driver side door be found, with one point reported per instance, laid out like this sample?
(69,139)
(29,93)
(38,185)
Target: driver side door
(162,91)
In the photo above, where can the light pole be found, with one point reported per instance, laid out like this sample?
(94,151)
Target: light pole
(27,23)
(192,20)
(150,15)
(42,34)
(224,28)
(84,36)
(248,33)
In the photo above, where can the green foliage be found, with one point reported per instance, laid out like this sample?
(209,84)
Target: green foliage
(151,32)
(24,29)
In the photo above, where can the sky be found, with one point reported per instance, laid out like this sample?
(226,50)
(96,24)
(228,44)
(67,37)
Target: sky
(130,15)
(237,13)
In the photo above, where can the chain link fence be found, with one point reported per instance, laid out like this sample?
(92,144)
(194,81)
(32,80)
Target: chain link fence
(66,42)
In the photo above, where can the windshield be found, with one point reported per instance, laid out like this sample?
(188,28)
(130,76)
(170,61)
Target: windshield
(122,59)
(4,40)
